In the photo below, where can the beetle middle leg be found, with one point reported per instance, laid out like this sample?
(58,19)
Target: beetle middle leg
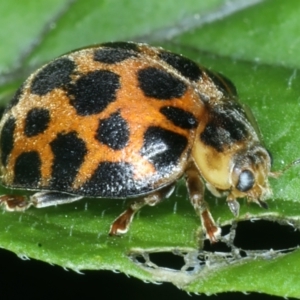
(122,223)
(196,188)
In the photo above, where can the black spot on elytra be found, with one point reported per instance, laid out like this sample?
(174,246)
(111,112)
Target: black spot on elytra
(54,75)
(93,92)
(112,55)
(222,83)
(112,179)
(69,152)
(16,98)
(36,121)
(163,148)
(7,139)
(223,130)
(179,117)
(185,66)
(122,45)
(160,84)
(113,131)
(27,169)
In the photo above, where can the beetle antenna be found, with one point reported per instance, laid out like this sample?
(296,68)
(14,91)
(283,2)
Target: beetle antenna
(277,174)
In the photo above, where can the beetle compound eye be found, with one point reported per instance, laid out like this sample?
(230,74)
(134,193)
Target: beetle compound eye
(246,181)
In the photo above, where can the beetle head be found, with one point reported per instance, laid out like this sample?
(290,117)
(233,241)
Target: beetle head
(249,175)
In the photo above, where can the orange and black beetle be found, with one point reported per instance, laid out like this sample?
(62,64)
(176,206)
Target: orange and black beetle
(126,120)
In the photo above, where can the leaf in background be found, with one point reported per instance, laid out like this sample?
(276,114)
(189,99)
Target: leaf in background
(255,44)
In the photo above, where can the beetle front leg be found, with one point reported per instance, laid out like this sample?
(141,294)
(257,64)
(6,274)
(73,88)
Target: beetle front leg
(122,223)
(195,187)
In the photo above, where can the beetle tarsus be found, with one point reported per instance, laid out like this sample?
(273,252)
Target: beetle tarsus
(263,204)
(234,207)
(121,224)
(14,202)
(213,232)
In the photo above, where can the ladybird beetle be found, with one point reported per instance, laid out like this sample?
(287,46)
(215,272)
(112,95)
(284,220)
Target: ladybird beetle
(126,120)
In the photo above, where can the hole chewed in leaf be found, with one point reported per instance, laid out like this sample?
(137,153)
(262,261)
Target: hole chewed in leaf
(265,235)
(241,242)
(165,260)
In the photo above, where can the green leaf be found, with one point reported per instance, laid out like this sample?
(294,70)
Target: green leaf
(255,44)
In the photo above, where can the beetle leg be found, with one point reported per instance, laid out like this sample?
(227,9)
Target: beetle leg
(14,202)
(122,223)
(234,206)
(263,204)
(39,200)
(195,187)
